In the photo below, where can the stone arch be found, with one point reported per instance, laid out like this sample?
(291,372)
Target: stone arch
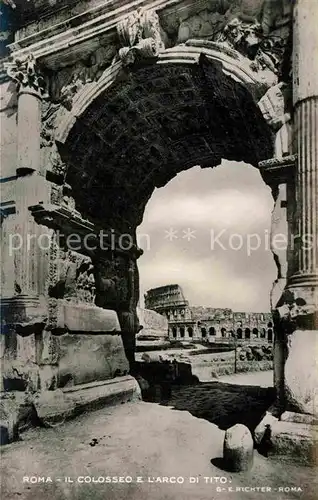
(212,115)
(231,62)
(134,130)
(190,331)
(203,332)
(270,335)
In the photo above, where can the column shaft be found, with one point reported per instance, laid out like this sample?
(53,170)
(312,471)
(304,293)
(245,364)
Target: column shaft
(306,131)
(29,129)
(300,370)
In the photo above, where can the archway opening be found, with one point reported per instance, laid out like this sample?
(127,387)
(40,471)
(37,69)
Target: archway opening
(196,232)
(135,134)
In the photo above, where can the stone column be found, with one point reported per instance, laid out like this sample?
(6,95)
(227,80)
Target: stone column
(30,184)
(24,307)
(301,370)
(305,100)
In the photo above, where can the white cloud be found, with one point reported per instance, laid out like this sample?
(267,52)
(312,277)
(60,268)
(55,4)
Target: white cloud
(203,200)
(211,282)
(227,208)
(231,196)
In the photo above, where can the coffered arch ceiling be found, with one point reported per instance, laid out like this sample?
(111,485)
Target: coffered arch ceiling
(158,120)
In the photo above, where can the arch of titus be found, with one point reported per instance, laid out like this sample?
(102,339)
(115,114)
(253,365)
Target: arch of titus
(102,102)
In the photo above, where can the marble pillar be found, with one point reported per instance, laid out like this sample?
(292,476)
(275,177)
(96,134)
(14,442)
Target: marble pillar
(301,366)
(24,306)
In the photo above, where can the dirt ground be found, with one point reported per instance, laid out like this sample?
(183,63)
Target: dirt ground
(155,449)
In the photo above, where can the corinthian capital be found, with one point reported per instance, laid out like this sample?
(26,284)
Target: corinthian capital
(24,73)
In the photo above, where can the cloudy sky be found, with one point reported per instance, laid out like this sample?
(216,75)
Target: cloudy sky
(195,233)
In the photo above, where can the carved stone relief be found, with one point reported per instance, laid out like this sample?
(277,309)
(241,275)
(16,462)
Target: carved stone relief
(73,278)
(112,283)
(141,36)
(67,82)
(258,30)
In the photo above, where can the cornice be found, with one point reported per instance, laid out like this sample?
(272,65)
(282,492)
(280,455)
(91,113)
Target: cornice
(62,39)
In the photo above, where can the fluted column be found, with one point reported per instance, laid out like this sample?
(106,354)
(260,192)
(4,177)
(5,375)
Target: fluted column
(301,370)
(306,138)
(31,186)
(305,101)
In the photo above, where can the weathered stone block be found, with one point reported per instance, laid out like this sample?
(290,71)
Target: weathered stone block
(49,349)
(19,375)
(85,358)
(153,324)
(8,430)
(295,442)
(238,449)
(26,350)
(86,318)
(48,375)
(8,420)
(294,437)
(298,418)
(54,407)
(301,371)
(17,412)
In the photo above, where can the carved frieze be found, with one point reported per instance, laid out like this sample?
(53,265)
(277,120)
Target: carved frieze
(73,279)
(48,118)
(259,29)
(69,90)
(49,151)
(249,39)
(140,35)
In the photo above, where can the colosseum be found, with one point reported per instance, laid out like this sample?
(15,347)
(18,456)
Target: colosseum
(207,323)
